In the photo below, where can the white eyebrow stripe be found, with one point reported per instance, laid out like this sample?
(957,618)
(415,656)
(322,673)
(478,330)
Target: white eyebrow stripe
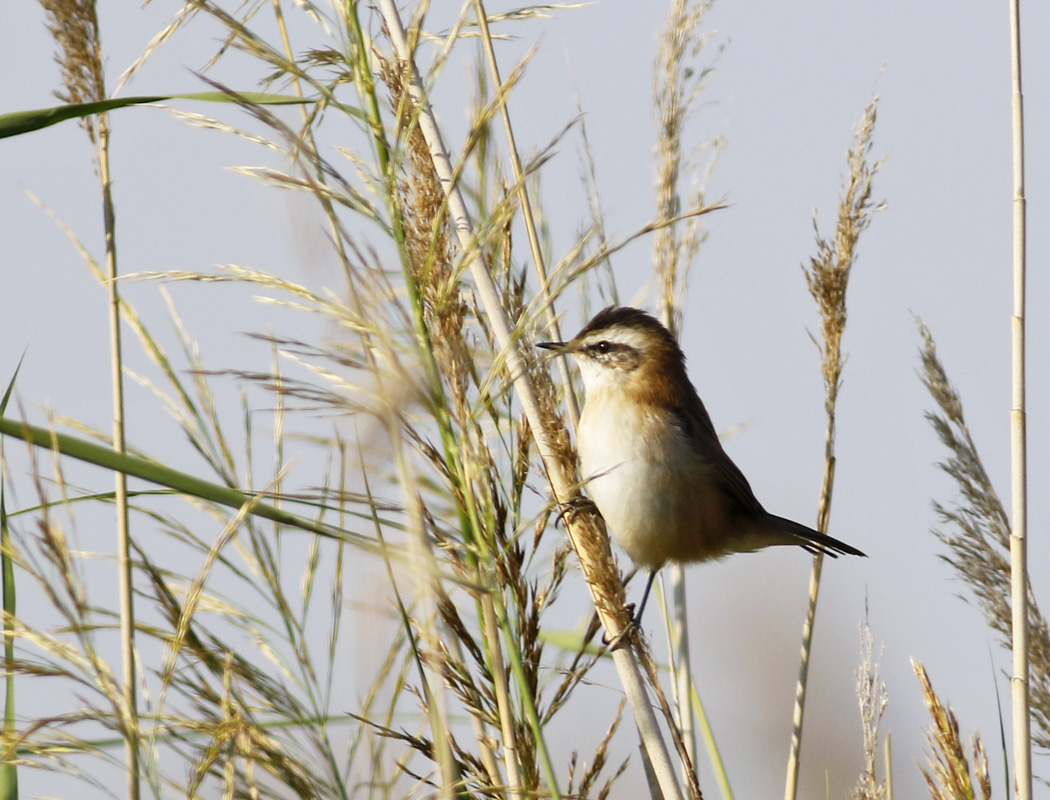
(617,335)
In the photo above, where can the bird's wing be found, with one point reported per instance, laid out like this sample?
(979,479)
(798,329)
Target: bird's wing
(736,486)
(701,434)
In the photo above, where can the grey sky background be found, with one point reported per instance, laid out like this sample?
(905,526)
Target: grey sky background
(787,89)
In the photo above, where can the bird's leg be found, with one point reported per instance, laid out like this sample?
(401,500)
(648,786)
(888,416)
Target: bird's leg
(634,618)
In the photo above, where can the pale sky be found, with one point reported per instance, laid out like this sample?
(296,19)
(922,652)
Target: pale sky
(786,92)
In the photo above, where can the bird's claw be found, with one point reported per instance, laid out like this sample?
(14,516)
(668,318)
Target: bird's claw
(617,641)
(575,505)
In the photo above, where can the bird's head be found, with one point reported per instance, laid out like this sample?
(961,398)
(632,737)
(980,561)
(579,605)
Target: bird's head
(624,349)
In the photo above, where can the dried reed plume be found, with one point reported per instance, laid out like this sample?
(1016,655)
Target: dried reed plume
(947,770)
(979,537)
(74,26)
(828,274)
(827,278)
(677,84)
(871,694)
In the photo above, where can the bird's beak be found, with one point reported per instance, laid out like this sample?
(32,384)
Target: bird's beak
(557,347)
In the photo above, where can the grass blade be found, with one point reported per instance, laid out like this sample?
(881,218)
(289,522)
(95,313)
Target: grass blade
(16,123)
(144,468)
(8,765)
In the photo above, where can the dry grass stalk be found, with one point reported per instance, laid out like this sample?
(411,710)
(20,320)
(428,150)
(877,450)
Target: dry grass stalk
(74,26)
(1020,694)
(562,482)
(471,465)
(827,278)
(473,470)
(531,227)
(685,756)
(947,770)
(678,83)
(979,542)
(871,693)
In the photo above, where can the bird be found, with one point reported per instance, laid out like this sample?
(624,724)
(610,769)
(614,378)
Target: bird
(650,458)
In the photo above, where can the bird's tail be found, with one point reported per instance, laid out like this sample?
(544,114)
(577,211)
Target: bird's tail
(812,540)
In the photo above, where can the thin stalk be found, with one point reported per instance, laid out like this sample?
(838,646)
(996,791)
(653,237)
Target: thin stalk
(8,758)
(827,278)
(75,28)
(582,525)
(676,616)
(367,89)
(439,406)
(681,670)
(468,521)
(494,616)
(677,83)
(555,332)
(127,606)
(888,752)
(311,149)
(526,208)
(434,697)
(491,606)
(8,764)
(502,693)
(528,702)
(798,716)
(717,765)
(1018,439)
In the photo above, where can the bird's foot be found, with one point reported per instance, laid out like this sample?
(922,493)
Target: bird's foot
(575,505)
(628,631)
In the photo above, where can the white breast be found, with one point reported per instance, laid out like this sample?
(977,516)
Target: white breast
(629,462)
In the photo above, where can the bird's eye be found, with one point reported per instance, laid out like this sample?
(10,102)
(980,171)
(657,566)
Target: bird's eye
(601,348)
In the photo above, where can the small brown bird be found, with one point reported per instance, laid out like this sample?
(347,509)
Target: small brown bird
(650,457)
